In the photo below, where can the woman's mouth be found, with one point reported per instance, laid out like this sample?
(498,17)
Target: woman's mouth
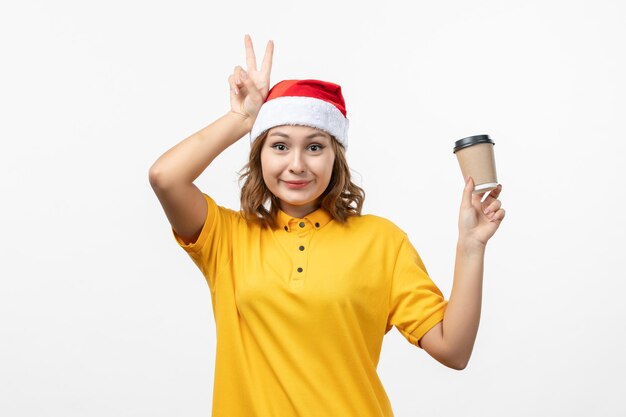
(296,184)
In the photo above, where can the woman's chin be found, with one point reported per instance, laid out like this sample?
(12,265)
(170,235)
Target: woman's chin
(300,201)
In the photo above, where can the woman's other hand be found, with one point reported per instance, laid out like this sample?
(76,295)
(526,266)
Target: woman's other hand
(249,88)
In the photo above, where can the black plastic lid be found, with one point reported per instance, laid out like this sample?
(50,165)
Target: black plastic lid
(471,140)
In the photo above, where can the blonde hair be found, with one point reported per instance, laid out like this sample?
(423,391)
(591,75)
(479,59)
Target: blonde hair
(342,198)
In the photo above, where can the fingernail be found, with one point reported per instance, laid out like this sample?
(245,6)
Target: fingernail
(244,74)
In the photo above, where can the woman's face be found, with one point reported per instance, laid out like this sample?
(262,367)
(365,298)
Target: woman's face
(297,164)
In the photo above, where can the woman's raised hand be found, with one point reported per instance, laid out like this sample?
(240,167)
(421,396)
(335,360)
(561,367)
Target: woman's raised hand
(249,88)
(478,221)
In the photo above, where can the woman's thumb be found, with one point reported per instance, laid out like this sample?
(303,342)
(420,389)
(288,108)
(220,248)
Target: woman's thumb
(248,83)
(467,191)
(251,89)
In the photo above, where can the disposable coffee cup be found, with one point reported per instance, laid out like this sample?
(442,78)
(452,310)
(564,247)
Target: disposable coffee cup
(476,159)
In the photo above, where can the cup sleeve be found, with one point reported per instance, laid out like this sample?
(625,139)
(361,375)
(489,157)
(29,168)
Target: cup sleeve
(213,247)
(415,303)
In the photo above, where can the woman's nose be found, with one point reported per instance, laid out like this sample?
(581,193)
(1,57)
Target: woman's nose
(296,164)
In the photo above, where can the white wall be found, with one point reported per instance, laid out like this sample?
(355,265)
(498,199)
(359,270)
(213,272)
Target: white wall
(102,314)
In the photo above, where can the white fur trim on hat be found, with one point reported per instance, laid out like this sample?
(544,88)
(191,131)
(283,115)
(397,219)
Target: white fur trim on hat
(305,111)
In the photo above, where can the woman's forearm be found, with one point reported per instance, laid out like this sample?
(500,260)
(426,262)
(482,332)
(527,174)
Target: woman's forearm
(462,316)
(184,162)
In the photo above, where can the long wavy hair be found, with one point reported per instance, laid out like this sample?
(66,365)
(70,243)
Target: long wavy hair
(342,198)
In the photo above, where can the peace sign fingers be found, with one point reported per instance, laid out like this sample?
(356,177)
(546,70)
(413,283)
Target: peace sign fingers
(261,78)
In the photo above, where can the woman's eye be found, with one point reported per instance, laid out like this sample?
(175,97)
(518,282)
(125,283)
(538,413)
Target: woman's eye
(315,148)
(279,146)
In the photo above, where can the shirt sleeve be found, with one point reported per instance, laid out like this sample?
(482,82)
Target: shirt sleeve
(213,247)
(415,304)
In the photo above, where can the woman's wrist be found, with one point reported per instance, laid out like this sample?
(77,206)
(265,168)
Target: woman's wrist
(242,118)
(471,246)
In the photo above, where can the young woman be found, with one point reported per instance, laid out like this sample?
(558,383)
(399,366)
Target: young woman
(303,286)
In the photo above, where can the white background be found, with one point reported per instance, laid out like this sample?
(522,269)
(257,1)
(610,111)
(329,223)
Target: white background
(102,314)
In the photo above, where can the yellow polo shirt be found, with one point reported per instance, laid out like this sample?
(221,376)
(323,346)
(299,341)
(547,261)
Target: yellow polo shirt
(301,311)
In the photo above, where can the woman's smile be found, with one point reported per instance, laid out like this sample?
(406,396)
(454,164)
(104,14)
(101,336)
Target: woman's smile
(296,184)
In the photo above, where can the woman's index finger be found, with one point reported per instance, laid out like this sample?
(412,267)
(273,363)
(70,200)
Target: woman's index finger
(250,57)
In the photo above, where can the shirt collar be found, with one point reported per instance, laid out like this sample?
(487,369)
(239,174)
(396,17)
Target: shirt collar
(315,220)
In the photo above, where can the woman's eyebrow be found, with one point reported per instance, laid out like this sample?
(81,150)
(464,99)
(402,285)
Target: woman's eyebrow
(306,137)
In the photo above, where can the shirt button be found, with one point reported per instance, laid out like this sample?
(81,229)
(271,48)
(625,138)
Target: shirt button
(317,225)
(301,224)
(301,248)
(299,269)
(286,228)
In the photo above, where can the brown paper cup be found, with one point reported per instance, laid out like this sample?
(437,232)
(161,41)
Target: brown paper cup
(476,159)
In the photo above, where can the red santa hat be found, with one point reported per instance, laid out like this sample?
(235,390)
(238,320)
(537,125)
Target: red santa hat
(312,103)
